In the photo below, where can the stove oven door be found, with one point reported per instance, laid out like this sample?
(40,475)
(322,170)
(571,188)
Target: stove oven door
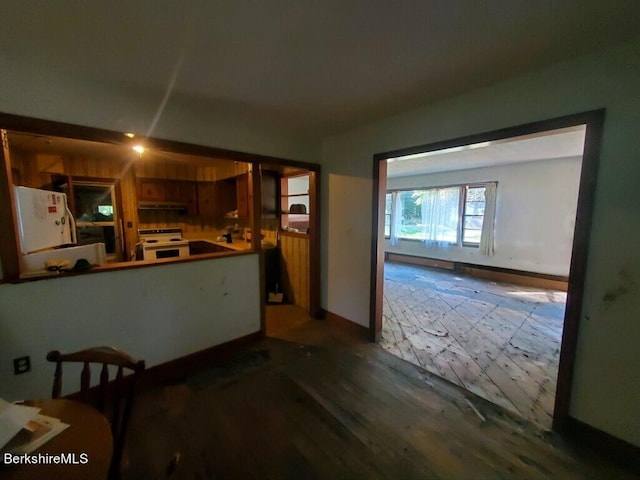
(159,252)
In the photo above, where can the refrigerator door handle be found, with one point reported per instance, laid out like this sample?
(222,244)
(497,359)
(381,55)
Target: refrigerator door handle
(72,225)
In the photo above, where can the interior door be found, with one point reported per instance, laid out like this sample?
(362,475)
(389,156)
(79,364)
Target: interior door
(97,216)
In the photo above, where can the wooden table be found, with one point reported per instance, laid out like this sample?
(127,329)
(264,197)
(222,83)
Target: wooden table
(88,432)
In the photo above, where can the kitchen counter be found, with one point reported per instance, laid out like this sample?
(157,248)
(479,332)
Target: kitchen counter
(237,246)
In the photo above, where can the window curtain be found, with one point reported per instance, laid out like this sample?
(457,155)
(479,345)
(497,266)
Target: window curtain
(396,217)
(435,212)
(486,238)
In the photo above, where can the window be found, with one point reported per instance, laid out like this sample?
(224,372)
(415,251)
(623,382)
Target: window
(295,203)
(474,204)
(449,215)
(93,208)
(106,210)
(387,214)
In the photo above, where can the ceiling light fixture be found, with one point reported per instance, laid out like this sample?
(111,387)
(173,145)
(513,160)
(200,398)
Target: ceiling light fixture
(139,149)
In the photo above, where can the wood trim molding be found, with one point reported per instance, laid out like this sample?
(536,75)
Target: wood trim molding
(314,244)
(578,269)
(415,260)
(377,249)
(519,277)
(9,242)
(346,325)
(594,120)
(176,370)
(613,448)
(515,277)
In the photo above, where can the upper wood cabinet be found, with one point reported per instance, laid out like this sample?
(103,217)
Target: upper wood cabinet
(187,192)
(269,187)
(207,199)
(226,196)
(151,190)
(207,204)
(242,195)
(170,194)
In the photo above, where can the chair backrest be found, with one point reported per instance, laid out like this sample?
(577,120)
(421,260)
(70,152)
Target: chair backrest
(117,395)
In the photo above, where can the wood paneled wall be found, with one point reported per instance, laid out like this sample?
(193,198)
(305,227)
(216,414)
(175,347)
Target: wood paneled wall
(294,269)
(36,170)
(216,169)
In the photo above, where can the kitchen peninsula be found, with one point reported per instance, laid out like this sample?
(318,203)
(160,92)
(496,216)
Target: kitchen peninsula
(115,193)
(163,310)
(198,194)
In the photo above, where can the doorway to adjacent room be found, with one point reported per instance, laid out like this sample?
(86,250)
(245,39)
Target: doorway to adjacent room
(479,241)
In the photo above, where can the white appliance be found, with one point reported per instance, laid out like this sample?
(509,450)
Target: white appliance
(163,243)
(45,224)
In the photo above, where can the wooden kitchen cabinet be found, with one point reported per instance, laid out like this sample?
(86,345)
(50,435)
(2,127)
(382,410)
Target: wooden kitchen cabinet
(230,194)
(176,194)
(269,189)
(150,190)
(226,196)
(199,247)
(187,193)
(242,195)
(207,200)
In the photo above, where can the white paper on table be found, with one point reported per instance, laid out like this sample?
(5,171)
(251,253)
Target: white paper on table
(36,433)
(13,418)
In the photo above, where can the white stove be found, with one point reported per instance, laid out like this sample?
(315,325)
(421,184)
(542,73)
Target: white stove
(163,243)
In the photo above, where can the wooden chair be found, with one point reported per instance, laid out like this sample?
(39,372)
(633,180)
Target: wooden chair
(118,395)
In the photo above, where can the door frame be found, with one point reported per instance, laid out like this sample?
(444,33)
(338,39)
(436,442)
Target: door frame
(594,121)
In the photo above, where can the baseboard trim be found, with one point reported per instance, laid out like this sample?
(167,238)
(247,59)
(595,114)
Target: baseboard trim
(415,260)
(345,324)
(498,274)
(615,449)
(177,369)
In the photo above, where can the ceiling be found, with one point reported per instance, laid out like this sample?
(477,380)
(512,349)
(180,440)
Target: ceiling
(553,144)
(308,65)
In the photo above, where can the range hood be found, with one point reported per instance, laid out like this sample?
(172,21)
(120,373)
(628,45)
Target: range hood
(161,205)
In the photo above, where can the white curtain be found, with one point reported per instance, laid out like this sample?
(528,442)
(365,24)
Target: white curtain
(439,206)
(396,217)
(486,238)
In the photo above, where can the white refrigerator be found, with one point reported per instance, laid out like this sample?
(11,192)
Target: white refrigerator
(47,233)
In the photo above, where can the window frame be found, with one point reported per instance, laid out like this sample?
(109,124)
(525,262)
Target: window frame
(390,214)
(462,210)
(465,190)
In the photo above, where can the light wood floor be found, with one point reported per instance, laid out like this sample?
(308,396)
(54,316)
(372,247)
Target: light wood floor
(499,341)
(314,402)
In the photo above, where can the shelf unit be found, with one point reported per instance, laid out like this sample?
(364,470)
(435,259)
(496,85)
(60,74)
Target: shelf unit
(294,192)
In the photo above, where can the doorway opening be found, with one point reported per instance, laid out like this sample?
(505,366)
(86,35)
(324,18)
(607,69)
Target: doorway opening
(290,246)
(94,205)
(494,228)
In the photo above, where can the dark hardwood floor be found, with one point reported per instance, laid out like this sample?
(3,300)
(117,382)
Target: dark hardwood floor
(313,402)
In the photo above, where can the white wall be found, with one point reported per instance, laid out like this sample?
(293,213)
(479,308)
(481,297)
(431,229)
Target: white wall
(31,89)
(156,313)
(535,215)
(606,391)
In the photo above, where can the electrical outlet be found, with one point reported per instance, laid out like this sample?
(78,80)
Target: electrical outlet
(21,365)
